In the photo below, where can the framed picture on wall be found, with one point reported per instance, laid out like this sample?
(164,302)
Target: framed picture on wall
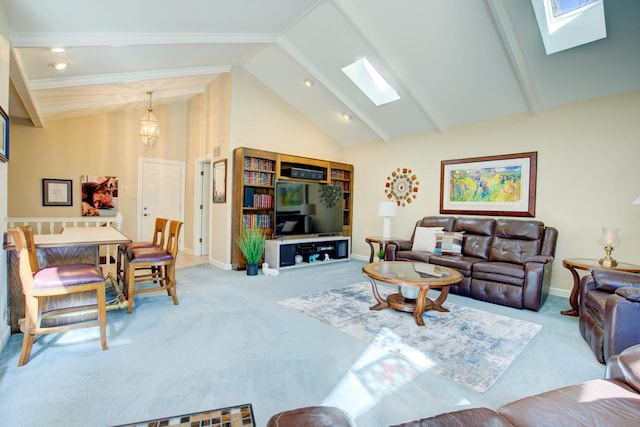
(57,192)
(502,185)
(4,132)
(220,181)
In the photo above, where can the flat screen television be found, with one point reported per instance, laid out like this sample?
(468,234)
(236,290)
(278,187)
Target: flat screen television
(307,208)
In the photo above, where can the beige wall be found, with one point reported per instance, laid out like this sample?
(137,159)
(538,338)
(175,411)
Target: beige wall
(5,30)
(587,174)
(105,144)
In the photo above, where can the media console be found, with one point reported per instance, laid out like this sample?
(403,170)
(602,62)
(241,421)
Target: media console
(281,253)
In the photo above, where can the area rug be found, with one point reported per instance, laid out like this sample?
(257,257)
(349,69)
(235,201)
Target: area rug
(468,346)
(234,416)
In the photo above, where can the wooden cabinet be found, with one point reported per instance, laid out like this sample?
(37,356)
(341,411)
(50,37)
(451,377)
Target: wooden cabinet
(255,173)
(254,177)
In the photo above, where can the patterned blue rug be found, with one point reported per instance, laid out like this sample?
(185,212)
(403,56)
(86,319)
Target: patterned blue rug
(468,346)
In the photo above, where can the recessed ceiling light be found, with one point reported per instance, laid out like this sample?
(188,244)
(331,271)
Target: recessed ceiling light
(308,82)
(346,116)
(59,65)
(371,82)
(57,49)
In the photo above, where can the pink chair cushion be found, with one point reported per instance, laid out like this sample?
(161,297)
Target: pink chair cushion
(67,275)
(148,255)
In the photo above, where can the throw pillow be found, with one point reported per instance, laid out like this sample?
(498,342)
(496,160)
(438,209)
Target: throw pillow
(424,239)
(449,243)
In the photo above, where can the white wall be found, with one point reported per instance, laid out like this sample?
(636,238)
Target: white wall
(587,174)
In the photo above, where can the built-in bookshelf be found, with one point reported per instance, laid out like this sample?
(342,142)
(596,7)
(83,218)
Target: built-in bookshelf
(255,173)
(342,176)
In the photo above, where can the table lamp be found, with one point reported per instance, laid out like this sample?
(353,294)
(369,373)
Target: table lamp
(386,210)
(609,239)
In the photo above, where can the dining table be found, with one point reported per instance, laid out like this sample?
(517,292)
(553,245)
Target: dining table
(72,245)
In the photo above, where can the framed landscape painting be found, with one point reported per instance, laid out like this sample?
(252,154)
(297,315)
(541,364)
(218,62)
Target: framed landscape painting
(503,185)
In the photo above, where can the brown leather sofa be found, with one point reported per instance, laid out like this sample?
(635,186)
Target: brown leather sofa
(503,261)
(612,401)
(609,311)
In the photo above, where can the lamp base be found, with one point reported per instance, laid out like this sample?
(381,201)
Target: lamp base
(607,261)
(386,227)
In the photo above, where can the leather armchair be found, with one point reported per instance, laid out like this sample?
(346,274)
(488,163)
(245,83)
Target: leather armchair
(609,311)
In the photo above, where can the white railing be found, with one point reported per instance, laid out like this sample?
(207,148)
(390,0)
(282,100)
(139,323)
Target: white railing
(55,226)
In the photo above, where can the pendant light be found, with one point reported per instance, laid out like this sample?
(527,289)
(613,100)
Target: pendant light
(149,127)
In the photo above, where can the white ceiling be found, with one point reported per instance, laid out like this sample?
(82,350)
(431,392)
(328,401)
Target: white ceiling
(452,62)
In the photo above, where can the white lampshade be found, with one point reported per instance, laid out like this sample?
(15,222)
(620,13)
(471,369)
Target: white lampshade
(636,201)
(387,209)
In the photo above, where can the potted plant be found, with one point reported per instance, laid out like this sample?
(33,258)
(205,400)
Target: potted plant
(380,254)
(251,244)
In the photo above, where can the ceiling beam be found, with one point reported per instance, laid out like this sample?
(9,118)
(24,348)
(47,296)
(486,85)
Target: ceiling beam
(23,90)
(504,24)
(127,77)
(47,40)
(120,101)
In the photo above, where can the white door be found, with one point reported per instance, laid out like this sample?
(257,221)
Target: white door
(161,193)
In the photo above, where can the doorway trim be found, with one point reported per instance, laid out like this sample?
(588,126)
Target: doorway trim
(201,191)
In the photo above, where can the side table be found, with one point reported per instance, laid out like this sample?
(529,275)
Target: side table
(587,264)
(381,241)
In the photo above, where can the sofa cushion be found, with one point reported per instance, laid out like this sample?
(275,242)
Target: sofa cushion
(424,239)
(461,263)
(504,272)
(515,240)
(448,243)
(478,235)
(592,403)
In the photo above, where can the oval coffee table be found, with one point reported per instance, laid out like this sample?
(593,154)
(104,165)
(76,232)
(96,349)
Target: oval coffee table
(415,275)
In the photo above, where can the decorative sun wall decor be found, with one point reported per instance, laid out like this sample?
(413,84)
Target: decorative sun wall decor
(402,186)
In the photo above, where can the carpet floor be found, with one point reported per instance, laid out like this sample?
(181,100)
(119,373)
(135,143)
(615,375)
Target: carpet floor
(230,341)
(468,346)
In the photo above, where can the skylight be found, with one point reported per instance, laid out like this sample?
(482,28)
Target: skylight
(568,23)
(563,8)
(369,80)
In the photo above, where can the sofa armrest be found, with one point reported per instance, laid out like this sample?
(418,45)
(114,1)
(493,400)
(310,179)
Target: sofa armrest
(625,367)
(401,244)
(542,259)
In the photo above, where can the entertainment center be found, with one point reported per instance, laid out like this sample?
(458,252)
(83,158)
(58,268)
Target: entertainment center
(303,205)
(304,252)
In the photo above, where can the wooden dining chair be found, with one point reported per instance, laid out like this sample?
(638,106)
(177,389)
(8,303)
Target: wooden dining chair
(40,285)
(163,259)
(158,242)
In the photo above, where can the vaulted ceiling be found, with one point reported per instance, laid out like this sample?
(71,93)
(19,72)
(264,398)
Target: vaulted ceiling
(452,62)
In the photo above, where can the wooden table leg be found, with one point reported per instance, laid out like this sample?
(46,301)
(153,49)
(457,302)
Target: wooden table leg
(573,297)
(382,303)
(437,304)
(421,303)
